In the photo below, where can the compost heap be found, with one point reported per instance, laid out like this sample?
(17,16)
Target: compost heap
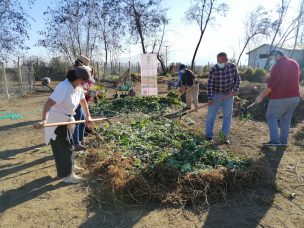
(150,104)
(139,158)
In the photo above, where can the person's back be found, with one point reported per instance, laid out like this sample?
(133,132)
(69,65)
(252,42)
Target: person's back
(284,79)
(188,78)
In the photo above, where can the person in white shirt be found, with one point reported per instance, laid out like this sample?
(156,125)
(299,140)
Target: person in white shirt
(61,107)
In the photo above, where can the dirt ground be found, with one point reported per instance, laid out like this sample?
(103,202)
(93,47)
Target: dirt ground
(32,196)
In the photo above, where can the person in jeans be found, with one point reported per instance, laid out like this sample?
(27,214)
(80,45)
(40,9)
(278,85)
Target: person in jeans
(223,84)
(283,90)
(190,86)
(78,134)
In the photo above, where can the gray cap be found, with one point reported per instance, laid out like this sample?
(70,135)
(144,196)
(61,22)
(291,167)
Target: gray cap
(276,52)
(84,73)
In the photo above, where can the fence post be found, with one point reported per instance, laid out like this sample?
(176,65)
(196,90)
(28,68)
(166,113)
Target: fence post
(119,69)
(129,70)
(111,70)
(20,77)
(5,80)
(33,77)
(97,69)
(104,70)
(30,79)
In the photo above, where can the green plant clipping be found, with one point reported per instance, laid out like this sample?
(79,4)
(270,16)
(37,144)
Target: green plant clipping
(150,104)
(153,142)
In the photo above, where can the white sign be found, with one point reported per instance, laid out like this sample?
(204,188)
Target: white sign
(148,71)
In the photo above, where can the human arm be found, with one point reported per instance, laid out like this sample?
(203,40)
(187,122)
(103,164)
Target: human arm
(210,85)
(85,108)
(236,82)
(262,95)
(45,113)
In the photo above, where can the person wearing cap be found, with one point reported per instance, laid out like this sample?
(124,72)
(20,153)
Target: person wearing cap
(190,86)
(223,84)
(79,131)
(82,60)
(283,90)
(60,107)
(78,134)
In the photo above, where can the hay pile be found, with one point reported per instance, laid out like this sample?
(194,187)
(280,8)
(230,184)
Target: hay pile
(145,159)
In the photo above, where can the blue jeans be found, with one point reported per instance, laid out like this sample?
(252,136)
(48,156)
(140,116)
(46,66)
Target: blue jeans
(227,108)
(280,110)
(79,128)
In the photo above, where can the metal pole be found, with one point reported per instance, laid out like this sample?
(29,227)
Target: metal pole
(5,81)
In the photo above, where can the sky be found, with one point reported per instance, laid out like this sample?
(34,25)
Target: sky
(227,34)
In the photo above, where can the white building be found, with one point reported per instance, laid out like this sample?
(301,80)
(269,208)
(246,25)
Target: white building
(258,56)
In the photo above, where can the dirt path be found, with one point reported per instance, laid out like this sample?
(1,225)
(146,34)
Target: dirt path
(31,196)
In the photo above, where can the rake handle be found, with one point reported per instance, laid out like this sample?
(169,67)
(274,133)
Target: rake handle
(67,123)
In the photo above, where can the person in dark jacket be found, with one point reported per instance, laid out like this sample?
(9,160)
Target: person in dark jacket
(190,86)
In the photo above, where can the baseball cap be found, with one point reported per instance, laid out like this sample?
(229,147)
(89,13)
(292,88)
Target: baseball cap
(276,52)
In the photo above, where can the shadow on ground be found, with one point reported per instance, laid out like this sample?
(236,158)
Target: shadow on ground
(7,154)
(27,192)
(247,208)
(20,124)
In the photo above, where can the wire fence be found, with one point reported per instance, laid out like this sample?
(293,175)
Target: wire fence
(16,81)
(25,77)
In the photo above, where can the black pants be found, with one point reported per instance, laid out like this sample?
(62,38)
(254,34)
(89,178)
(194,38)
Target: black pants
(63,151)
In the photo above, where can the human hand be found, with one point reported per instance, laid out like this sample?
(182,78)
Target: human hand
(210,102)
(39,124)
(259,99)
(88,119)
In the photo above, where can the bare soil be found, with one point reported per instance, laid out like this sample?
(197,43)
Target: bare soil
(32,196)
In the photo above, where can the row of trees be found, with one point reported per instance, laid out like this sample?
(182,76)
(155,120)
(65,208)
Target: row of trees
(75,27)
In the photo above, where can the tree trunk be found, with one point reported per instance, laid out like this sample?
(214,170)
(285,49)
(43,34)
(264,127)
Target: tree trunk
(237,63)
(202,31)
(164,69)
(276,32)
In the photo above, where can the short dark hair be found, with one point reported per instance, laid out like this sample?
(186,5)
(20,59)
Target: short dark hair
(71,75)
(182,66)
(222,54)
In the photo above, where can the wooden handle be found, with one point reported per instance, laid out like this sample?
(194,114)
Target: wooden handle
(68,123)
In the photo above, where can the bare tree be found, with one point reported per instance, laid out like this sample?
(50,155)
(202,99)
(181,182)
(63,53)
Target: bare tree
(277,24)
(203,12)
(158,49)
(145,20)
(112,26)
(258,23)
(14,23)
(73,27)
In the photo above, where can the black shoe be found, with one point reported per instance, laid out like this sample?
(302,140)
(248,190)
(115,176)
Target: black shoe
(210,140)
(79,147)
(226,141)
